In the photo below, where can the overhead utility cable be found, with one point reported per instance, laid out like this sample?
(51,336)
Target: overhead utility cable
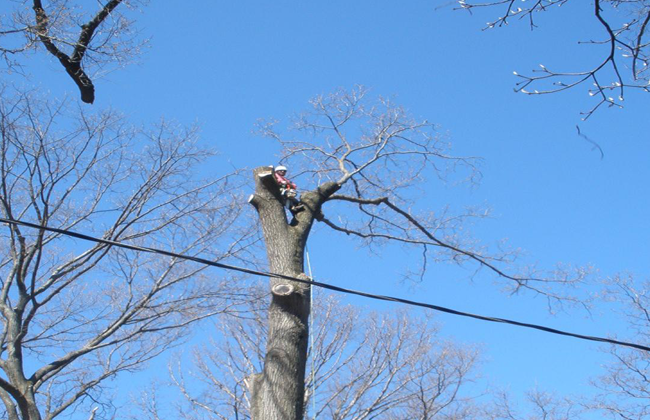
(326,285)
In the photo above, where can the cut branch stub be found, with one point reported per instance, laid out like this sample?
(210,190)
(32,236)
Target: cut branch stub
(282,289)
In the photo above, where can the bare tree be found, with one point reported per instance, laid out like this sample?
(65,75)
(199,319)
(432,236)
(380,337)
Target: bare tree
(540,405)
(78,37)
(379,366)
(73,315)
(624,45)
(366,155)
(625,387)
(623,391)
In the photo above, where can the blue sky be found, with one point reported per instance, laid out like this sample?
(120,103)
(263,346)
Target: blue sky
(223,65)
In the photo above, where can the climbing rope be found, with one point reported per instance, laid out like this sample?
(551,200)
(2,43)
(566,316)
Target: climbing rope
(311,336)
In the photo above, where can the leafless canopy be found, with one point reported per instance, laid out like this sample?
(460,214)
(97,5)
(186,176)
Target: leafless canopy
(379,366)
(73,314)
(377,156)
(626,51)
(625,387)
(82,39)
(539,405)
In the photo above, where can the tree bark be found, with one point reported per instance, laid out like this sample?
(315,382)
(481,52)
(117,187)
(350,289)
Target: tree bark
(17,386)
(277,393)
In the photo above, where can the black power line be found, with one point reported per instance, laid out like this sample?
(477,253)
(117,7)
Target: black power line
(326,285)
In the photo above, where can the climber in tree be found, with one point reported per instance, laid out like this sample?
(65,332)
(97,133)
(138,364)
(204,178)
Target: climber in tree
(288,189)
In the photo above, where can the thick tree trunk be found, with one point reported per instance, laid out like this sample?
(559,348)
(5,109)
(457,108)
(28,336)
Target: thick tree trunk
(17,391)
(277,393)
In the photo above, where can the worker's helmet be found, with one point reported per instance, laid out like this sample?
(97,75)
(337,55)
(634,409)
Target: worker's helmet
(280,168)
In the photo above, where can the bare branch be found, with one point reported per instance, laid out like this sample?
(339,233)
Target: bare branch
(377,155)
(624,24)
(625,385)
(83,42)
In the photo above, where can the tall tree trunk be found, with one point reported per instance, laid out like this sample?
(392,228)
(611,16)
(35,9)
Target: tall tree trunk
(16,390)
(277,393)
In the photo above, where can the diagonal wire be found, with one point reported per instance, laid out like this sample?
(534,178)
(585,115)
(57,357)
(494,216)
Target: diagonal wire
(327,286)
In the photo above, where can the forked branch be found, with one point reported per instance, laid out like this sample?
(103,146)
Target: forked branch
(73,63)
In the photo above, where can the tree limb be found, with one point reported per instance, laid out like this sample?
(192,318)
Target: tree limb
(73,64)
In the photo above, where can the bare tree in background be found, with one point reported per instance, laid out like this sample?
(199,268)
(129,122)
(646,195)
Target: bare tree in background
(623,391)
(540,405)
(624,44)
(361,367)
(366,156)
(625,387)
(76,314)
(79,38)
